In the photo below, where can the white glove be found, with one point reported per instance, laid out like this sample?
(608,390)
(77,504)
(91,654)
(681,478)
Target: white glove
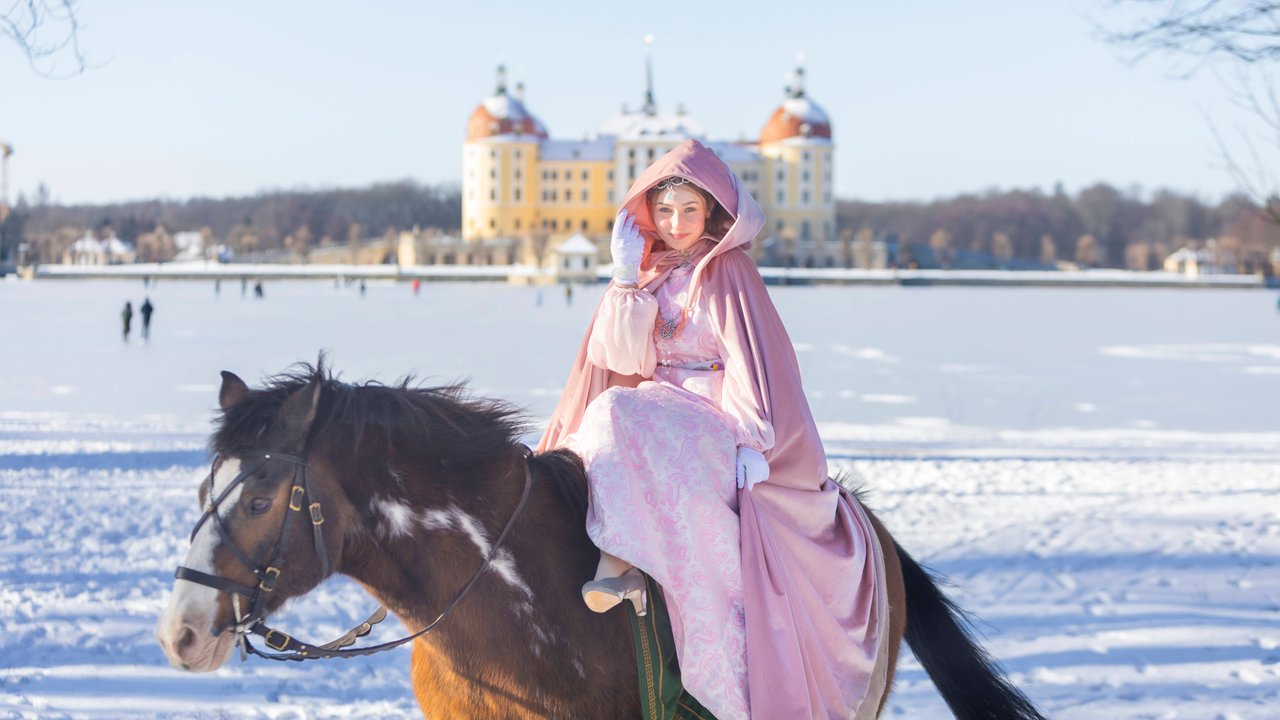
(627,248)
(752,467)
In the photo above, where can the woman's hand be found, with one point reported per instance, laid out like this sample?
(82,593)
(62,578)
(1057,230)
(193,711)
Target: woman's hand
(752,467)
(627,248)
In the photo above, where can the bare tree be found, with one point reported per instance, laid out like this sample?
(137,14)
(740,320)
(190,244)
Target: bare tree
(45,30)
(1243,33)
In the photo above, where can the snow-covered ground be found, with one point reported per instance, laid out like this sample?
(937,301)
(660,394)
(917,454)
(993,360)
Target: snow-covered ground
(1098,472)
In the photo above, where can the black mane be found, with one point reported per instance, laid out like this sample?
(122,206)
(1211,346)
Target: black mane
(458,429)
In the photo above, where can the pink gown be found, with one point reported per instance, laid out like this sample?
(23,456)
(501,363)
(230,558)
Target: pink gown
(777,595)
(661,460)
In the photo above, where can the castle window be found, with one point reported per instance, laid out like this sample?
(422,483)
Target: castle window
(650,154)
(553,225)
(631,154)
(517,154)
(806,156)
(806,197)
(611,198)
(517,225)
(584,226)
(517,194)
(568,195)
(781,197)
(782,175)
(584,175)
(806,176)
(553,174)
(492,223)
(610,176)
(493,194)
(780,226)
(517,173)
(804,230)
(493,173)
(584,196)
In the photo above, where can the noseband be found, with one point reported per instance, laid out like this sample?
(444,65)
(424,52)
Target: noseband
(254,621)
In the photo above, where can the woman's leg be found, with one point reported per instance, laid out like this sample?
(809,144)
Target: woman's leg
(611,566)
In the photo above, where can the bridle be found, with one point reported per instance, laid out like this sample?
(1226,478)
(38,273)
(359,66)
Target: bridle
(300,496)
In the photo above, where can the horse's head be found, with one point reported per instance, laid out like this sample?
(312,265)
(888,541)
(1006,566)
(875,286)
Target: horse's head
(270,529)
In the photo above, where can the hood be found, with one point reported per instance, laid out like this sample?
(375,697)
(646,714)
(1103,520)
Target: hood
(700,165)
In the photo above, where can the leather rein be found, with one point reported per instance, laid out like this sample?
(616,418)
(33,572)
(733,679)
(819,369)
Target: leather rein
(253,622)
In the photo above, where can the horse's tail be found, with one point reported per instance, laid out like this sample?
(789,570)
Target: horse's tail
(968,678)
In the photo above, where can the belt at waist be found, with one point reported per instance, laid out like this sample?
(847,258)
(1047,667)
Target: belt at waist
(716,364)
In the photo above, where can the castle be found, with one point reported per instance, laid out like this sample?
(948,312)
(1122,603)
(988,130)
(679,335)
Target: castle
(521,189)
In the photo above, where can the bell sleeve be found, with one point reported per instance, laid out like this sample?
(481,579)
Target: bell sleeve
(622,336)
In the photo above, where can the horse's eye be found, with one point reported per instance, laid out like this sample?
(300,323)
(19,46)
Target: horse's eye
(259,505)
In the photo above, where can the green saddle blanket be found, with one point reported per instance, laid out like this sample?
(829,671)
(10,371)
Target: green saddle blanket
(662,695)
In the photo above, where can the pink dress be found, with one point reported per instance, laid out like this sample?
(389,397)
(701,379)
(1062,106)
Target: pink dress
(786,579)
(661,458)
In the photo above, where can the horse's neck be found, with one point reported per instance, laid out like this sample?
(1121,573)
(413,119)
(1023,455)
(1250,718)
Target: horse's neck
(420,549)
(523,624)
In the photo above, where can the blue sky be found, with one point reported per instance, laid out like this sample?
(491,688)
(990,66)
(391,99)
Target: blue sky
(927,98)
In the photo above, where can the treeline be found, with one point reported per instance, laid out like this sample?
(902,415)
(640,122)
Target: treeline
(266,221)
(1098,227)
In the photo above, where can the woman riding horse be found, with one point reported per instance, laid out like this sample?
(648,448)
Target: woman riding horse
(686,381)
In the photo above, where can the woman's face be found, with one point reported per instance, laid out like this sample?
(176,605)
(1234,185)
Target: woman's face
(680,214)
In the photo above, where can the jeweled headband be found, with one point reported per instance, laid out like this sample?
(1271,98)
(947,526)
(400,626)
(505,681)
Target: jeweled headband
(671,182)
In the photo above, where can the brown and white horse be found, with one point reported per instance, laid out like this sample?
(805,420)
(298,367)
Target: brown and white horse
(427,498)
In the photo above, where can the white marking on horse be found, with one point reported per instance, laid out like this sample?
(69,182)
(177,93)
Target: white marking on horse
(504,563)
(397,516)
(395,476)
(191,603)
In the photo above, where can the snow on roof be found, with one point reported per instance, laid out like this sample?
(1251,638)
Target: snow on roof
(87,244)
(505,107)
(802,140)
(640,125)
(805,110)
(576,244)
(116,246)
(733,153)
(188,239)
(600,148)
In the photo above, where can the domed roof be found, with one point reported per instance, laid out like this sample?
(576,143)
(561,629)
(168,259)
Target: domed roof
(797,116)
(503,114)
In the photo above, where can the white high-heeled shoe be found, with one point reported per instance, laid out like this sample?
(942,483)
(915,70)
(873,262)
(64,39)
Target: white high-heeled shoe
(607,593)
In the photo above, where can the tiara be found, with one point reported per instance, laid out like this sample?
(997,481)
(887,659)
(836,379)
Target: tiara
(673,181)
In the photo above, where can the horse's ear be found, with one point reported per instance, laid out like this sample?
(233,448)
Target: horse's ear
(299,411)
(233,390)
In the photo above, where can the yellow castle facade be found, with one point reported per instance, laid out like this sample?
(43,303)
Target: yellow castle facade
(519,184)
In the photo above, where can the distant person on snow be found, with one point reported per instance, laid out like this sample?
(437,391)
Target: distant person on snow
(146,310)
(257,289)
(127,316)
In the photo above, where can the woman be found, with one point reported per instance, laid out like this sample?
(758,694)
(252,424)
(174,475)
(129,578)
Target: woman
(687,381)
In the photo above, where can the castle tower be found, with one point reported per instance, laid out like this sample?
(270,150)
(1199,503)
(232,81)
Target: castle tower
(796,192)
(500,159)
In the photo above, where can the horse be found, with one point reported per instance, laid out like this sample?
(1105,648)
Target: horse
(426,496)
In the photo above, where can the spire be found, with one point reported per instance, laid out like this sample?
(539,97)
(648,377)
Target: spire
(796,88)
(502,80)
(650,105)
(520,90)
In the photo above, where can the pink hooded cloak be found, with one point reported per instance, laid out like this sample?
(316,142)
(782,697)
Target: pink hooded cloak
(814,610)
